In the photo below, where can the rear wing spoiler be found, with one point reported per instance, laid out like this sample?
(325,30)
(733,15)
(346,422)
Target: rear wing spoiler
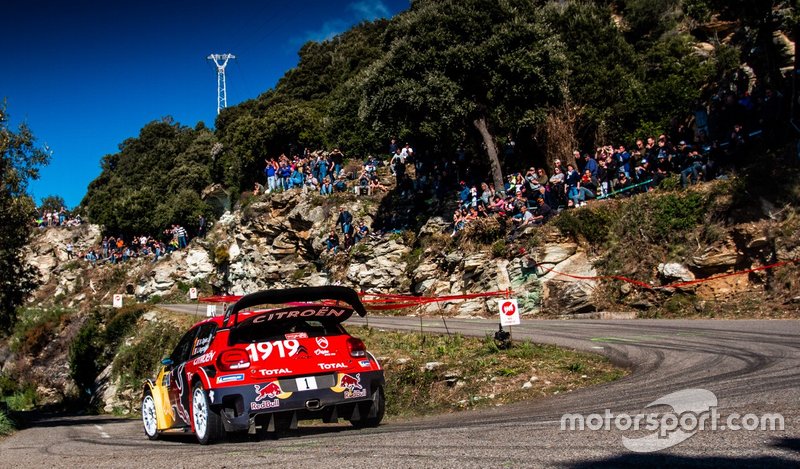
(289,295)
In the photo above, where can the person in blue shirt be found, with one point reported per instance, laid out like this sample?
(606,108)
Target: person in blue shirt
(464,195)
(623,159)
(591,164)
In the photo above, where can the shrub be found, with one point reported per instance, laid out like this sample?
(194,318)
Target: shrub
(6,425)
(676,213)
(35,328)
(594,224)
(138,361)
(86,355)
(499,248)
(120,323)
(484,230)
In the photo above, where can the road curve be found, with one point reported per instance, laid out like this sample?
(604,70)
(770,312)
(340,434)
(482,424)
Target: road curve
(750,366)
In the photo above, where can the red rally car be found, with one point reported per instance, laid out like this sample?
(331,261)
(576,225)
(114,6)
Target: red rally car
(263,369)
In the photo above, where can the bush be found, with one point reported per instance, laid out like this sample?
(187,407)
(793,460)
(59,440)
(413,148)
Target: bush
(120,323)
(499,248)
(86,355)
(35,329)
(6,425)
(25,398)
(484,230)
(594,224)
(136,362)
(673,213)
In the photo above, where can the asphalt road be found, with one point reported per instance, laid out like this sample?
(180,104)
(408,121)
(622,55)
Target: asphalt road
(750,366)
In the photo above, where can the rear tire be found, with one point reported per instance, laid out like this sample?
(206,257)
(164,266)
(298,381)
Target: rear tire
(207,423)
(379,402)
(149,418)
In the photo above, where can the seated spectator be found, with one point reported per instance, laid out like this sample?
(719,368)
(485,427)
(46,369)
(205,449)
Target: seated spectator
(543,212)
(375,184)
(362,231)
(622,184)
(340,185)
(326,188)
(332,242)
(362,185)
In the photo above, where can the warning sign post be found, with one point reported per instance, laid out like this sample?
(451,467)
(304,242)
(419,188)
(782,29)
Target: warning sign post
(509,312)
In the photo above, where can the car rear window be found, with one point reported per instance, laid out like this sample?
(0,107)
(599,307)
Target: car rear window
(246,333)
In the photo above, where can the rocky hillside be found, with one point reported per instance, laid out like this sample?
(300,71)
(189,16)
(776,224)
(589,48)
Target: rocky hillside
(278,240)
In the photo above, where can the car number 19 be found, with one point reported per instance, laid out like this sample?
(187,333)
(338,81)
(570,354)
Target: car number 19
(262,350)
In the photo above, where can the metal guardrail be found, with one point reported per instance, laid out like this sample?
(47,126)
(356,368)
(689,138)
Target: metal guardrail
(625,189)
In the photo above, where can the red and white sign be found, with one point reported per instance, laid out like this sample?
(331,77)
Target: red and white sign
(193,293)
(509,313)
(117,301)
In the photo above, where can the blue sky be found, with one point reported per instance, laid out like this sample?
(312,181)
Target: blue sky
(86,75)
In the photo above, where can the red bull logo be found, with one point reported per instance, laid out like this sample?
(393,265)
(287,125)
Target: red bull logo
(268,391)
(351,382)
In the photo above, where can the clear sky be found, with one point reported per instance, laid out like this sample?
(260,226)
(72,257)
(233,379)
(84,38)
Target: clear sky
(86,75)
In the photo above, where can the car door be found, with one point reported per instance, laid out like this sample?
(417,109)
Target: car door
(178,385)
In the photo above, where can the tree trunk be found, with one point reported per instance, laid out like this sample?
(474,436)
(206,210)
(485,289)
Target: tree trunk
(491,150)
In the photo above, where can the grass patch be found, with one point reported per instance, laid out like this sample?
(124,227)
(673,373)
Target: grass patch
(429,373)
(36,328)
(6,425)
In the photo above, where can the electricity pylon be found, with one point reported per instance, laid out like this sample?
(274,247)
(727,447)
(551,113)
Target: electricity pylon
(221,61)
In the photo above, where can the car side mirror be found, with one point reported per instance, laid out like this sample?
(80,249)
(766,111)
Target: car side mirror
(166,361)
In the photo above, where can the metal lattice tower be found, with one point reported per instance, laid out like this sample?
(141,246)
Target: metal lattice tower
(221,61)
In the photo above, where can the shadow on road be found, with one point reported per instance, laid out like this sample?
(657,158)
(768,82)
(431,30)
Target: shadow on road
(792,444)
(35,419)
(673,461)
(244,437)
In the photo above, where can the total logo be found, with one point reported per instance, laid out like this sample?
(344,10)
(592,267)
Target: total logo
(332,366)
(277,371)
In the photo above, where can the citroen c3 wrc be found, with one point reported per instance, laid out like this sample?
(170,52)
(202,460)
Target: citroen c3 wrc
(276,357)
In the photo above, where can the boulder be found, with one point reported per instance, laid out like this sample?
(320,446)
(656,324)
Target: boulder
(556,253)
(673,270)
(719,261)
(218,197)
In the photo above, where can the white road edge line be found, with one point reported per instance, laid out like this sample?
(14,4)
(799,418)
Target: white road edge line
(102,433)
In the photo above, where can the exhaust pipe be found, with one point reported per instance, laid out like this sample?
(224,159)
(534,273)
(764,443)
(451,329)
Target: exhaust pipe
(313,404)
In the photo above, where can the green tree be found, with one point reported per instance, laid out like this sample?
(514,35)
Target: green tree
(154,180)
(481,65)
(52,203)
(20,160)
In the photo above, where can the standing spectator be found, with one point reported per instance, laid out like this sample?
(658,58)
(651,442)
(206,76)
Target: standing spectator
(180,233)
(338,161)
(398,164)
(345,220)
(201,227)
(623,159)
(69,249)
(271,171)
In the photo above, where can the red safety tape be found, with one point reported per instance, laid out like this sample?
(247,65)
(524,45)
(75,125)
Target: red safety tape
(647,286)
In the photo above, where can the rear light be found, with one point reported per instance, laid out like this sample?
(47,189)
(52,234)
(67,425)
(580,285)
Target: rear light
(234,359)
(356,347)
